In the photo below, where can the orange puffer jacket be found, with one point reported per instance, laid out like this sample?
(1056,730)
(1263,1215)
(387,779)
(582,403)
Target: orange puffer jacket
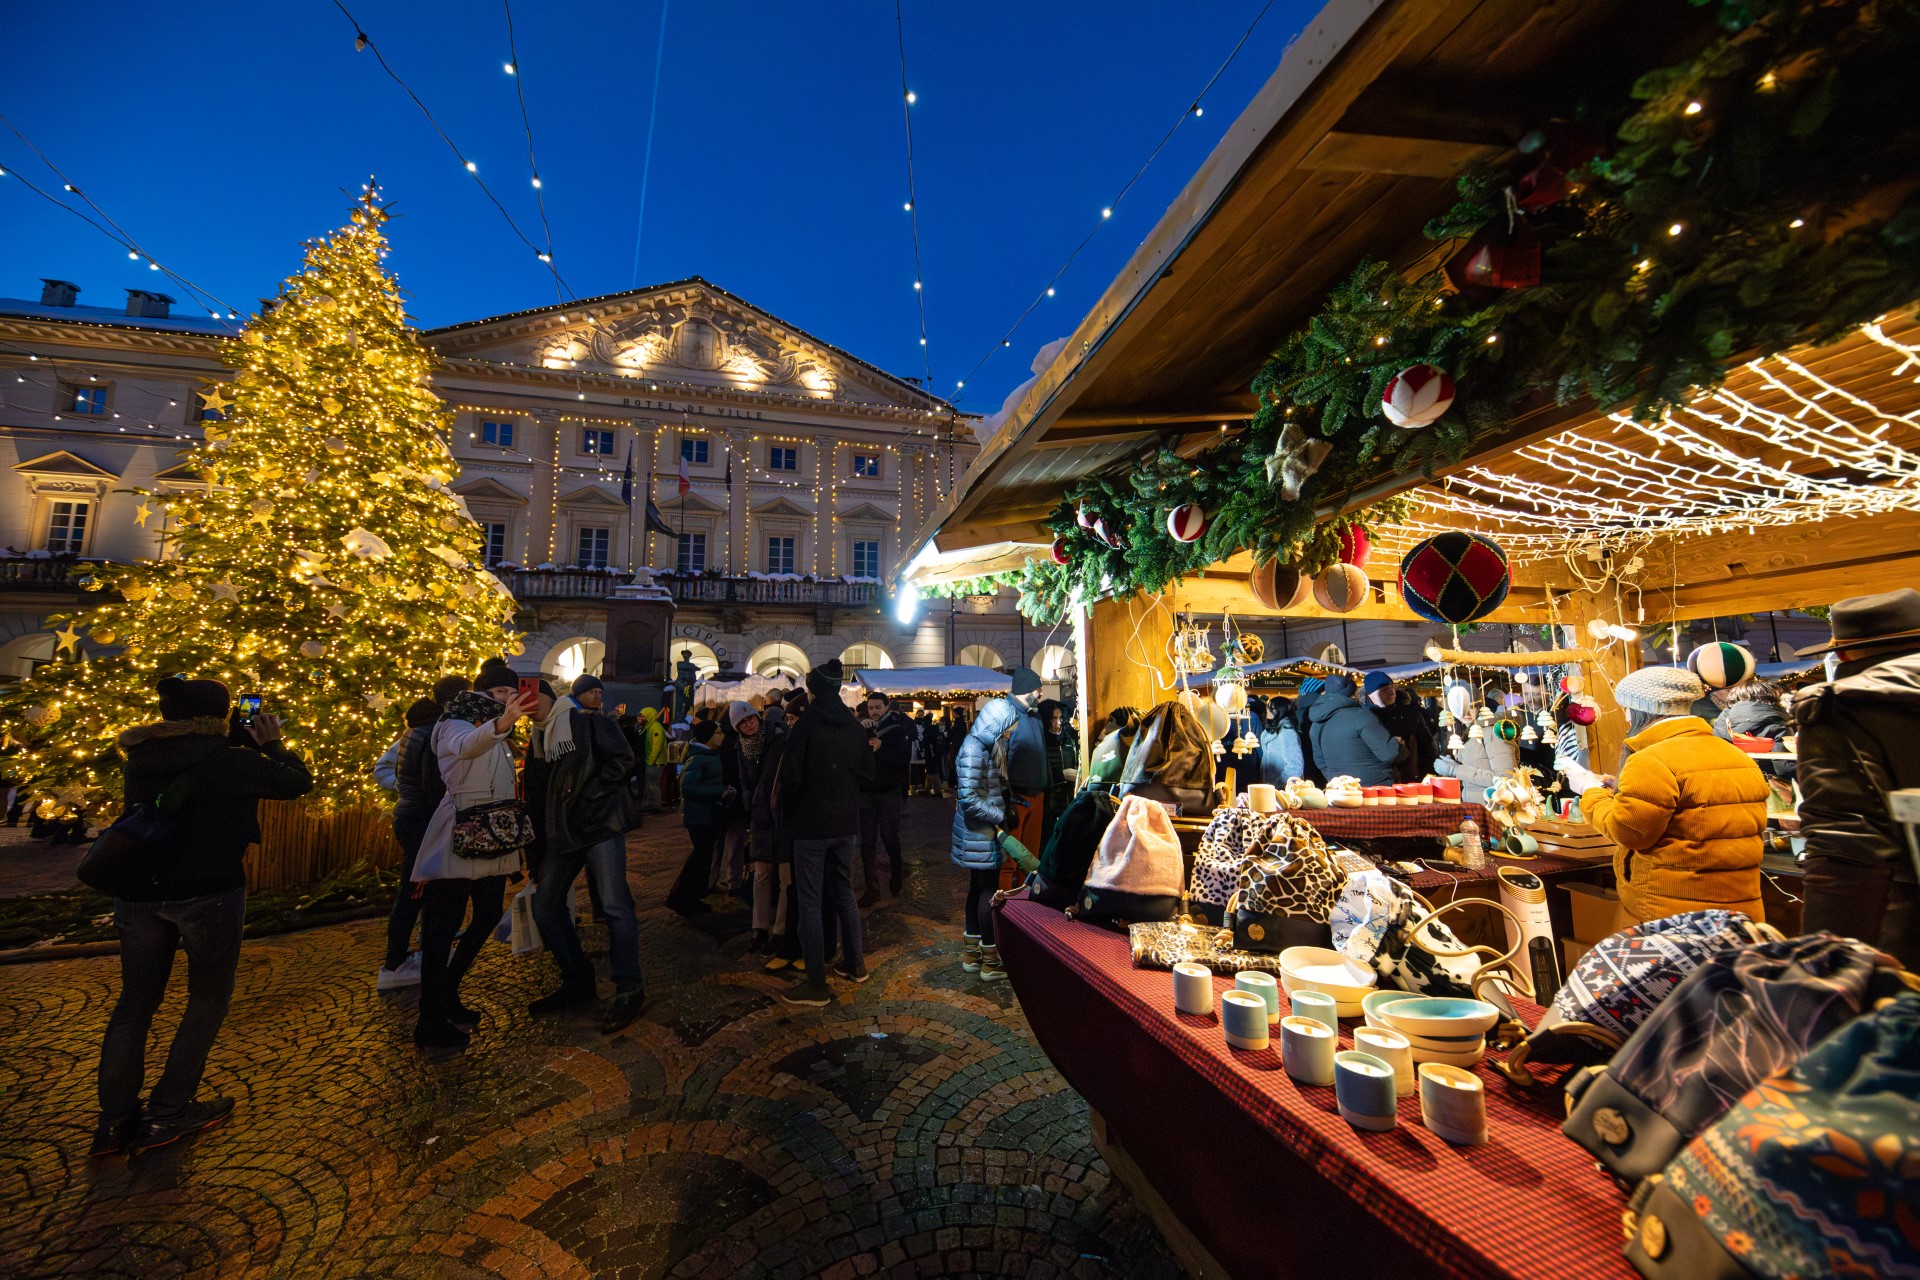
(1686,819)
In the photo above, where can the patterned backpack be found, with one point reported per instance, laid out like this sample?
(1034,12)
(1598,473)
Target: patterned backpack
(1618,984)
(1740,1017)
(1816,1172)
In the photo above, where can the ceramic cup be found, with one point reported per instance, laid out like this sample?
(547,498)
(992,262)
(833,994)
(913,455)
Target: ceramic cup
(1306,1050)
(1263,797)
(1393,1049)
(1193,988)
(1453,1104)
(1363,1087)
(1243,1015)
(1263,985)
(1319,1006)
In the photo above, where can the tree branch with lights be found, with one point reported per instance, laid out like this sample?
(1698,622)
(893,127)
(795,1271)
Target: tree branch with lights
(327,564)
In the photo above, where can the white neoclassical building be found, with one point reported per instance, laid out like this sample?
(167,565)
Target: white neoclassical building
(805,469)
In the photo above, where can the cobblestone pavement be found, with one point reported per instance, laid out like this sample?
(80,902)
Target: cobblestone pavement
(913,1129)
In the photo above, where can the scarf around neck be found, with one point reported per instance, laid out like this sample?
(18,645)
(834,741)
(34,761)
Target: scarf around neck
(556,731)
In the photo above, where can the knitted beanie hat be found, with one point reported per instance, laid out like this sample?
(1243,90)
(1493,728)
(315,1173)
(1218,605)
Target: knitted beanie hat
(1375,682)
(738,711)
(1025,680)
(1663,691)
(184,699)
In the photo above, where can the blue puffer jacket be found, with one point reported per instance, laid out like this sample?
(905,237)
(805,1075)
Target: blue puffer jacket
(982,804)
(1348,739)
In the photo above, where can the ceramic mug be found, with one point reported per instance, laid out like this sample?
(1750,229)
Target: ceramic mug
(1306,1050)
(1193,988)
(1393,1049)
(1263,797)
(1363,1086)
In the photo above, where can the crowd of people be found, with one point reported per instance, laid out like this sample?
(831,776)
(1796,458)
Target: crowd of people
(785,798)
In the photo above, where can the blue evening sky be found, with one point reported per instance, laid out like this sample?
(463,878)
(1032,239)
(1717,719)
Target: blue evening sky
(220,134)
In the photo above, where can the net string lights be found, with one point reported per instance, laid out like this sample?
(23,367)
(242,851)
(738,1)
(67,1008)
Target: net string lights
(1192,111)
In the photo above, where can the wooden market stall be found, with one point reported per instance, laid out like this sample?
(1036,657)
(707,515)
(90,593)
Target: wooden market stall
(1787,478)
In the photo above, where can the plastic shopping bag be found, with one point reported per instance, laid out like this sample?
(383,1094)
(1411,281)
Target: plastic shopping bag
(524,936)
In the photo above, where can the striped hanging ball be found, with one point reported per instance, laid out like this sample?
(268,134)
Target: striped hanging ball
(1455,577)
(1186,522)
(1721,664)
(1341,589)
(1280,587)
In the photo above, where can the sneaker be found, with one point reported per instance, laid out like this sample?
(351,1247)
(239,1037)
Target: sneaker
(571,995)
(775,964)
(407,975)
(991,970)
(114,1134)
(625,1006)
(854,975)
(438,1033)
(798,966)
(810,995)
(193,1118)
(970,952)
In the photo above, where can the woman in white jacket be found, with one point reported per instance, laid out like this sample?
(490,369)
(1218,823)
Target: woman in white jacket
(471,743)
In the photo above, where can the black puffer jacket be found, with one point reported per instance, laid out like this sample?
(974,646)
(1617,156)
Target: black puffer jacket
(1856,743)
(418,784)
(1763,719)
(892,759)
(826,763)
(222,800)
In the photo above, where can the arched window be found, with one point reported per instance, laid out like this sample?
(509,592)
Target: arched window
(704,659)
(571,659)
(778,659)
(980,655)
(866,654)
(1051,661)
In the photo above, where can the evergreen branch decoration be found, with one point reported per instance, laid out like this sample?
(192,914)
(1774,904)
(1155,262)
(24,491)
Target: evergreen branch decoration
(1757,196)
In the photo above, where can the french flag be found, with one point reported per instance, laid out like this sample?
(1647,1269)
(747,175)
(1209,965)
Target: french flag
(686,481)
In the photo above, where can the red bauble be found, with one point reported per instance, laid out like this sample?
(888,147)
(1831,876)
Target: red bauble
(1059,550)
(1355,546)
(1417,396)
(1186,522)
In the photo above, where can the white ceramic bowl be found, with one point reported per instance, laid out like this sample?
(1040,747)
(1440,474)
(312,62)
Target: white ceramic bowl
(1323,969)
(1467,1059)
(1442,1016)
(1448,1044)
(1371,1002)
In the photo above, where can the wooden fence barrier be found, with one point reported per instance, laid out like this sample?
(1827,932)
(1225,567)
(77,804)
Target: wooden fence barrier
(299,846)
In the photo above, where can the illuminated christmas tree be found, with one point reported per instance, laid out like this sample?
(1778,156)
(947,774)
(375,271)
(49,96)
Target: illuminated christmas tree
(326,565)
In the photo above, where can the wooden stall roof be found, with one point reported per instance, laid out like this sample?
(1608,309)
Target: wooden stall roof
(1348,150)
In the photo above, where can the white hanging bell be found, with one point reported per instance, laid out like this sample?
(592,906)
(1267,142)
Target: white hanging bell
(1475,733)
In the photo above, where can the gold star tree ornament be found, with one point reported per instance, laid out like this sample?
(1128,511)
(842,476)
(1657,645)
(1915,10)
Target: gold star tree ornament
(270,586)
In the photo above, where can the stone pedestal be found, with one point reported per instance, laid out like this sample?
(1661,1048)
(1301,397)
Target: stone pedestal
(639,617)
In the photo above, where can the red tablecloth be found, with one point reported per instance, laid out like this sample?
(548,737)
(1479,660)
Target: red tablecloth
(1480,884)
(1265,1172)
(1378,821)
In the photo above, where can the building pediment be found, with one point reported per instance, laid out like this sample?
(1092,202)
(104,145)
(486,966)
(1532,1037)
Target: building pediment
(694,501)
(487,489)
(867,511)
(687,332)
(68,466)
(783,507)
(588,496)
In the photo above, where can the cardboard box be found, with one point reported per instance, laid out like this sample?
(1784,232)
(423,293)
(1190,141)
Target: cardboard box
(1571,949)
(1566,839)
(1597,912)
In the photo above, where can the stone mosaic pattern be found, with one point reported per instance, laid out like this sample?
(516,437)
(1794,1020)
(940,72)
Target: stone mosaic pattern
(912,1129)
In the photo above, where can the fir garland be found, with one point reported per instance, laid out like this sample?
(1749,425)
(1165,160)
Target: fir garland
(1759,195)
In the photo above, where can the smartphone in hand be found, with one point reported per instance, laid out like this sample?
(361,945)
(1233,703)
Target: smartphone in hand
(249,708)
(530,686)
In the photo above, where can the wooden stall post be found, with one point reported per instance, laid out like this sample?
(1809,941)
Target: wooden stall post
(1124,661)
(1612,659)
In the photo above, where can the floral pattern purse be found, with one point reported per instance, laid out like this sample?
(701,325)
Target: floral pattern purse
(491,830)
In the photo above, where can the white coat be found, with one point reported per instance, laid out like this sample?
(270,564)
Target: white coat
(477,764)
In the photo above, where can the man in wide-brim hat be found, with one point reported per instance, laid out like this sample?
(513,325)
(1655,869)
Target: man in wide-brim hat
(1860,739)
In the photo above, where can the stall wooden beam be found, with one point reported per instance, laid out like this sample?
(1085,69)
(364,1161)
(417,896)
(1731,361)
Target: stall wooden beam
(1608,734)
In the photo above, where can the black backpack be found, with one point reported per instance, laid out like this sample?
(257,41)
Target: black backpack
(1069,851)
(129,858)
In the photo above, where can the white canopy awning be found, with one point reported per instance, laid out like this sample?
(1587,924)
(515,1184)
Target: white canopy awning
(946,682)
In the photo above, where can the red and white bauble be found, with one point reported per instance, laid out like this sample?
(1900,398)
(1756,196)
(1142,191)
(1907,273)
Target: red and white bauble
(1417,396)
(1059,550)
(1355,546)
(1101,532)
(1081,518)
(1186,522)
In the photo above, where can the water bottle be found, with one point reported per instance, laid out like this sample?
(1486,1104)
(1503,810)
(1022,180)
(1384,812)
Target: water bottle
(1473,856)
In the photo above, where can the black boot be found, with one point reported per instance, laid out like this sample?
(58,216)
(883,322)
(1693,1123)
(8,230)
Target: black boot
(571,995)
(625,1006)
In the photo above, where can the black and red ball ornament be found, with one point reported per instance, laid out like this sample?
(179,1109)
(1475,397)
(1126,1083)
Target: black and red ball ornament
(1355,546)
(1455,577)
(1059,551)
(1417,396)
(1187,522)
